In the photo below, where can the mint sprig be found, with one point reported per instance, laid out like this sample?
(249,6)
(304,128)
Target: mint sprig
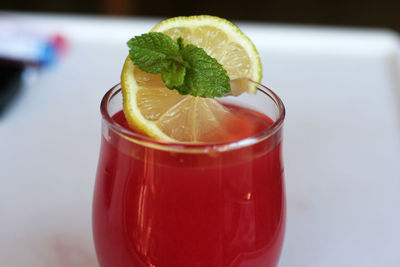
(188,69)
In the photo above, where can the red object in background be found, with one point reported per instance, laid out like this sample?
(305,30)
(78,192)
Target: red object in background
(60,44)
(172,209)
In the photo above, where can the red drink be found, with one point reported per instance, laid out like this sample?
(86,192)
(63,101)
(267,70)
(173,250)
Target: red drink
(163,205)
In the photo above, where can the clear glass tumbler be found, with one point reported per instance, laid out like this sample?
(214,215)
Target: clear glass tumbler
(170,205)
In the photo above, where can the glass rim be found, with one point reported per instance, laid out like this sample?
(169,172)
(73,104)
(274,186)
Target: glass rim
(193,147)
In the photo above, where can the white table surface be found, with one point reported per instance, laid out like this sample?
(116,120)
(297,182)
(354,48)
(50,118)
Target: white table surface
(341,88)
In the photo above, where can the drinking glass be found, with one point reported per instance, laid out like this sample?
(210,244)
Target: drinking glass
(166,204)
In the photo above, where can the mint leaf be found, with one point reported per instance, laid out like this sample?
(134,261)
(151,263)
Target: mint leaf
(151,51)
(180,43)
(205,77)
(187,69)
(173,74)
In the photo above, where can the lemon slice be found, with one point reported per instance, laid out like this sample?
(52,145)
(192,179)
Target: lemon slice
(156,111)
(221,40)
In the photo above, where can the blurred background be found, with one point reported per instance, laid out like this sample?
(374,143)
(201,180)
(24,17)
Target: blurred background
(383,13)
(335,64)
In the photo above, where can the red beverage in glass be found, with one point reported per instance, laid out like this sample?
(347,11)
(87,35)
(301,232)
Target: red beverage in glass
(171,205)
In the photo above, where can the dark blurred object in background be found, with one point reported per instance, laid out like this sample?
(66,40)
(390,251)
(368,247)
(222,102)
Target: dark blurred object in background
(383,13)
(10,83)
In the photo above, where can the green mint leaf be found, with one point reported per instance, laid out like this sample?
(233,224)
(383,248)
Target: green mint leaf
(187,69)
(151,51)
(173,74)
(180,43)
(204,77)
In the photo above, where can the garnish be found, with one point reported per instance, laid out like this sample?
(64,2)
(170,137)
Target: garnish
(186,68)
